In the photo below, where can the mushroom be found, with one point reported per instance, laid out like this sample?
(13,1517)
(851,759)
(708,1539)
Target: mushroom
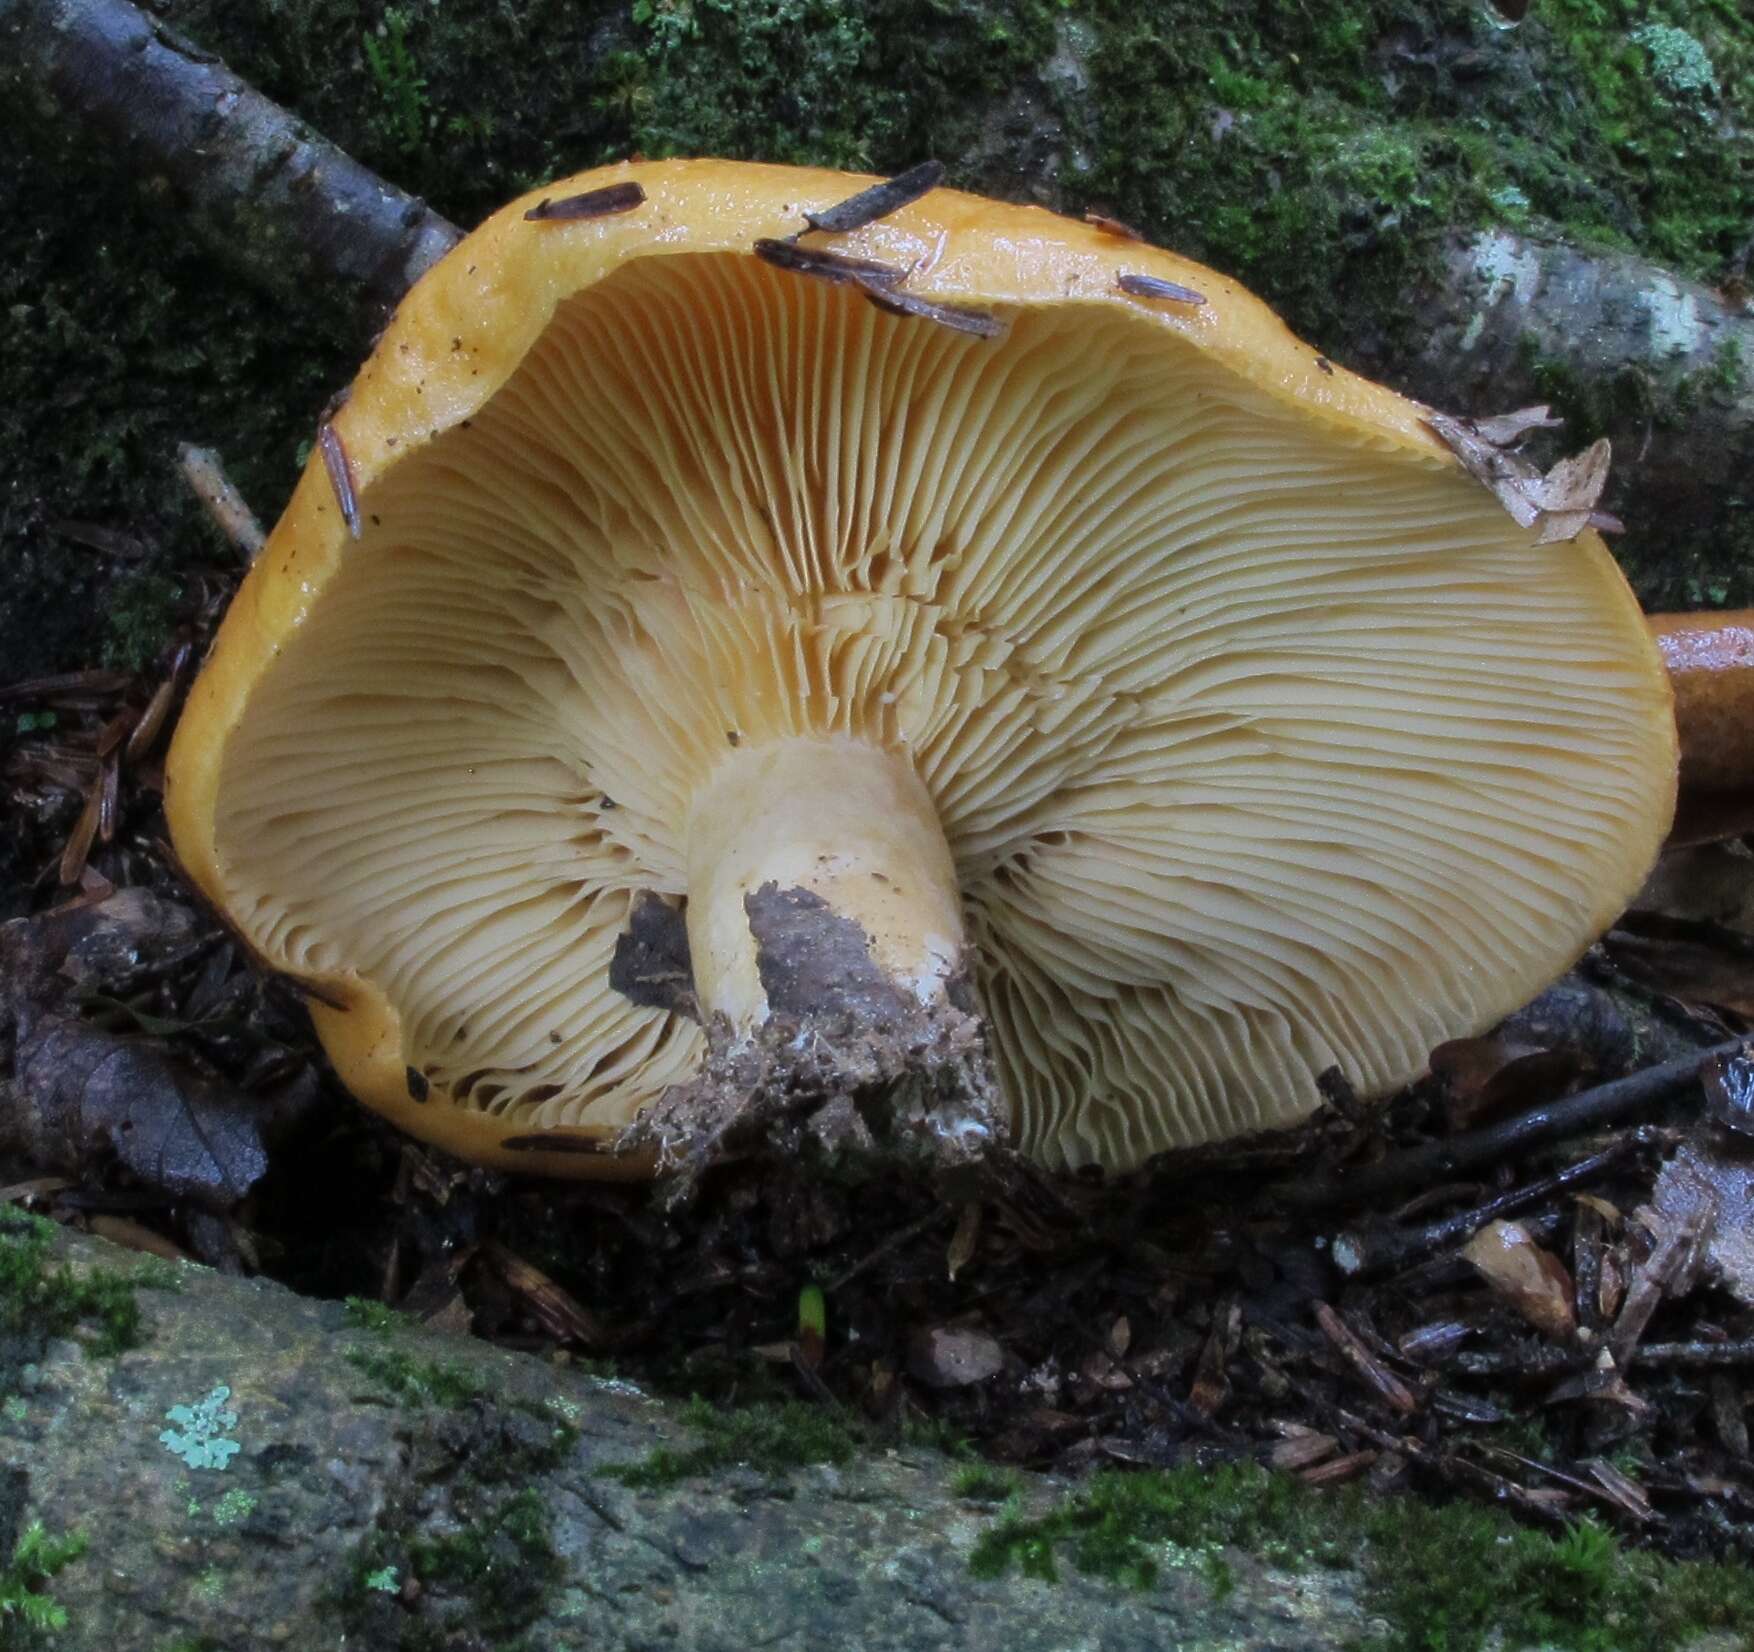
(1710,660)
(918,639)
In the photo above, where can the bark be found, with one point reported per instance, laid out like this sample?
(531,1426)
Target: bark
(1663,365)
(266,194)
(335,1479)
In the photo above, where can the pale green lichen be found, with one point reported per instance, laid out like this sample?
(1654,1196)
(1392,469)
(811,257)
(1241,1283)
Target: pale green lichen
(199,1437)
(1678,62)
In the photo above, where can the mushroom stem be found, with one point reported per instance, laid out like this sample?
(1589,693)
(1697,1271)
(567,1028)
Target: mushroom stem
(819,886)
(1710,657)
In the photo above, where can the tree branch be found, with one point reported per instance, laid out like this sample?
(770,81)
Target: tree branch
(269,196)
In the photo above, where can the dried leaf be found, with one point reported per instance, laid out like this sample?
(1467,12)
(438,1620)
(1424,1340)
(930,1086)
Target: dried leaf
(1710,882)
(1532,1280)
(1698,963)
(1562,501)
(1574,484)
(1507,429)
(85,1101)
(1487,1076)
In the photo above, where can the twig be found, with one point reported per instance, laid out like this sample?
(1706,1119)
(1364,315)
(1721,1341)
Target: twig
(1552,1122)
(1738,1352)
(1366,1255)
(289,211)
(233,517)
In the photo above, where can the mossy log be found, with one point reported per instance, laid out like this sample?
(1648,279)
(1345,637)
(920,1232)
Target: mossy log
(262,1470)
(1623,348)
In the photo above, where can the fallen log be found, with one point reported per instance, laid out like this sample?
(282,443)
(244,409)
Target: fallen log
(265,1470)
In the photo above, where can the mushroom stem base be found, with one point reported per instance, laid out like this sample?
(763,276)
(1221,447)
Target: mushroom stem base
(825,935)
(819,887)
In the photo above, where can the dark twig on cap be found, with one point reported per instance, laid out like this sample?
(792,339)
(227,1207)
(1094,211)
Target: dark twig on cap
(594,203)
(976,322)
(828,266)
(340,471)
(1153,286)
(879,200)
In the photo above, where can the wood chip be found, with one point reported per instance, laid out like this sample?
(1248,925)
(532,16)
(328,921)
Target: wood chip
(1382,1381)
(1338,1470)
(559,1312)
(1676,1253)
(1112,226)
(1302,1450)
(976,323)
(1625,1494)
(228,509)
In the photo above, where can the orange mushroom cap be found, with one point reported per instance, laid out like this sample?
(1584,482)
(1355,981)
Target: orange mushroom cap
(1258,739)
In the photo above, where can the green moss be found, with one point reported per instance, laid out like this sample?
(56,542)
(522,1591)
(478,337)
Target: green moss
(773,1439)
(235,1506)
(1453,1579)
(41,1299)
(363,1313)
(138,620)
(518,1449)
(982,1483)
(401,88)
(492,1576)
(505,1565)
(27,1610)
(1728,375)
(119,342)
(412,1380)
